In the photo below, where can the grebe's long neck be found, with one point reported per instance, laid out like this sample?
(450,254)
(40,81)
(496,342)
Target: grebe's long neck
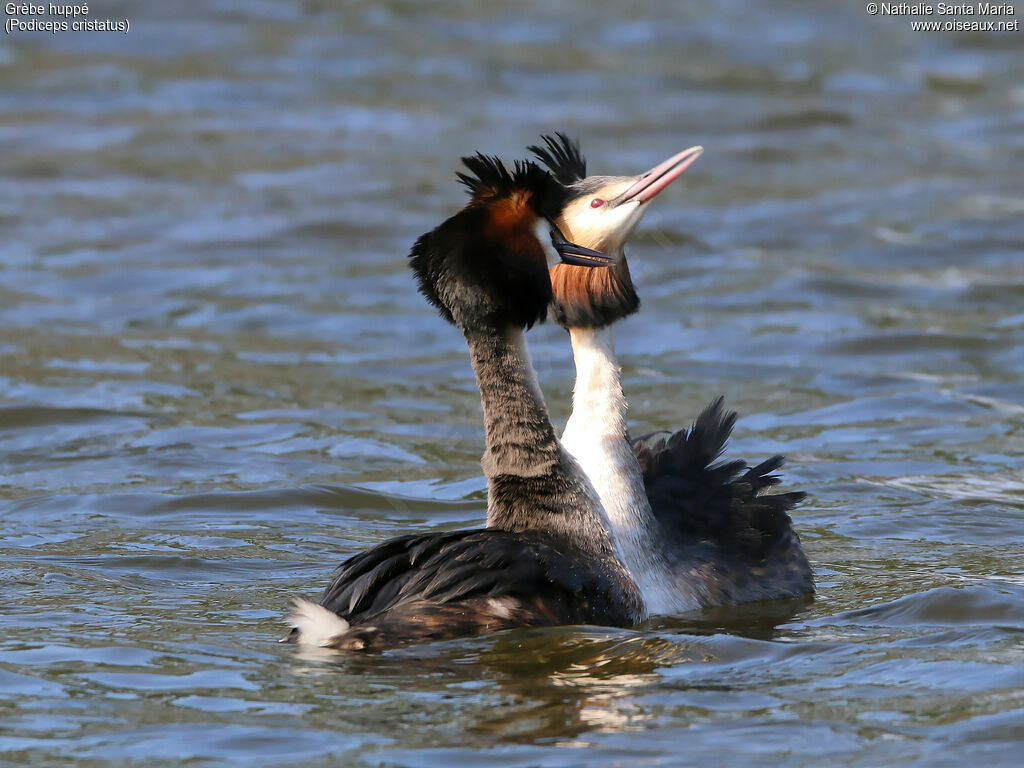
(520,439)
(533,483)
(598,403)
(597,436)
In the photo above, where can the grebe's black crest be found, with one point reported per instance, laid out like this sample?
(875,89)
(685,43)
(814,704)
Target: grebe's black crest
(486,262)
(489,179)
(562,157)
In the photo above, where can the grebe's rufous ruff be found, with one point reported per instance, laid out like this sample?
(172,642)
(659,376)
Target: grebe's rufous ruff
(547,556)
(692,533)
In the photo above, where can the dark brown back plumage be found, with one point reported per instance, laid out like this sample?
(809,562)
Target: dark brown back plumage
(718,511)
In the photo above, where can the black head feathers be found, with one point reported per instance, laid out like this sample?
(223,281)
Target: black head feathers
(489,176)
(563,157)
(485,264)
(489,179)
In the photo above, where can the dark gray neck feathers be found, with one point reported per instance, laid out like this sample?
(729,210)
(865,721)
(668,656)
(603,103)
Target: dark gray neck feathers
(533,483)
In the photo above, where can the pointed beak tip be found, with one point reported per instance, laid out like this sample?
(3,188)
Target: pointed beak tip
(661,175)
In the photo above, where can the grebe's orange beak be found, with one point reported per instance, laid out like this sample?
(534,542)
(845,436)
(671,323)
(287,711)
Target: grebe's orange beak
(660,176)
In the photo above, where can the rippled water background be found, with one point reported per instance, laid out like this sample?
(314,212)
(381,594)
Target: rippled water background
(217,380)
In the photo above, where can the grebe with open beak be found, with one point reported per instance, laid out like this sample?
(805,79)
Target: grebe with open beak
(691,532)
(547,556)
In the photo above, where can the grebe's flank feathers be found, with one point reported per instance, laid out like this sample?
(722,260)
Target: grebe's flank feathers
(696,499)
(432,586)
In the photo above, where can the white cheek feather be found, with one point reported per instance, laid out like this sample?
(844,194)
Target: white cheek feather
(543,231)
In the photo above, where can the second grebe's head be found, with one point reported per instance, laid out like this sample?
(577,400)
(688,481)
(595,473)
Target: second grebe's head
(600,212)
(486,264)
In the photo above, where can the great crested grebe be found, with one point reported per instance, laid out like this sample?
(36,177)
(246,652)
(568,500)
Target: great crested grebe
(546,556)
(692,533)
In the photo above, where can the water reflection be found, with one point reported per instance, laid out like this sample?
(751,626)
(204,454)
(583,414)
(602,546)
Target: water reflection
(559,683)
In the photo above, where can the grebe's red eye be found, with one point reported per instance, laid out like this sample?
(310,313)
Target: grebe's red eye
(597,202)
